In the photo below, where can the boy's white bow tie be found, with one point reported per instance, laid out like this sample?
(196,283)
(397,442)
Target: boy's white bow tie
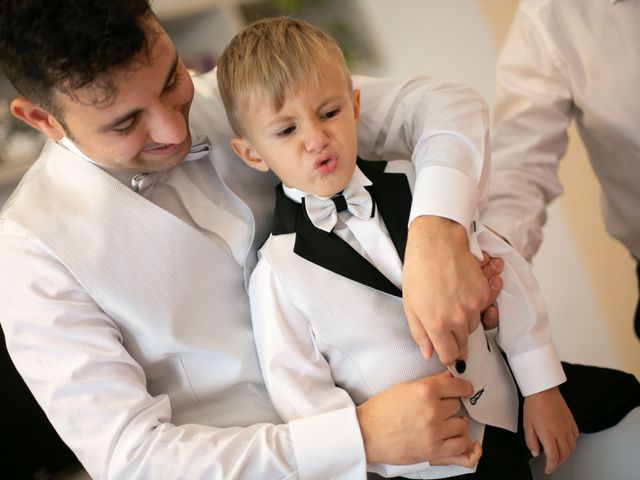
(323,212)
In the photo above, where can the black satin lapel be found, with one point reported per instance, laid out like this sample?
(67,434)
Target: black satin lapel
(392,195)
(331,252)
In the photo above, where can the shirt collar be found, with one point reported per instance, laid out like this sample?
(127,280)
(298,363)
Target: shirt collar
(296,195)
(141,180)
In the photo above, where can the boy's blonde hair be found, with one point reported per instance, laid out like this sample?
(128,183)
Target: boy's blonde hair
(273,57)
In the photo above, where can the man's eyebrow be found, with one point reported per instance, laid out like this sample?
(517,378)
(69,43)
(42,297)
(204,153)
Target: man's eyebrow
(127,116)
(120,120)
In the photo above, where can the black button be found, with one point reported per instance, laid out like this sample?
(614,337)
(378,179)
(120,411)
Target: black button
(461,366)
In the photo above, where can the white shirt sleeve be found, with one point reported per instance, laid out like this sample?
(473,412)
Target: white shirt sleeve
(524,333)
(71,355)
(533,111)
(442,127)
(301,385)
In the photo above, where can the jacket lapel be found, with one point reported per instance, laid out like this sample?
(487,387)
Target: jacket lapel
(392,195)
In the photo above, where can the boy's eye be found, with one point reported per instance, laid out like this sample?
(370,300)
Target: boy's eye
(285,131)
(332,113)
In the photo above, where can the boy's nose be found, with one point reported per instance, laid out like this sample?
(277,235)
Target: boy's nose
(316,139)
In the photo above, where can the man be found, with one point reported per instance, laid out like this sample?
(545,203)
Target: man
(124,267)
(564,60)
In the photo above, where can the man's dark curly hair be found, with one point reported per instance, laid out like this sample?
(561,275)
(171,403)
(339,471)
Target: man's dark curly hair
(68,44)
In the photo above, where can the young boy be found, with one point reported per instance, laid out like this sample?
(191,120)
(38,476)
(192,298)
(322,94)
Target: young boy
(326,294)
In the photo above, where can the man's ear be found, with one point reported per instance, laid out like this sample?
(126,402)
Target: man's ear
(37,118)
(356,104)
(246,152)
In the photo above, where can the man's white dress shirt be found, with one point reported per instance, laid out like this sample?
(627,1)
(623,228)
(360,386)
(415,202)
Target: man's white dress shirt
(134,402)
(564,60)
(302,368)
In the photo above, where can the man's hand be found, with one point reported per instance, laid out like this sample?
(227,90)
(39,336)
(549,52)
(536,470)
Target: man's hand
(444,288)
(468,459)
(548,420)
(416,421)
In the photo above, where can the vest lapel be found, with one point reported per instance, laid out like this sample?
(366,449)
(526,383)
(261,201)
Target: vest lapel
(392,195)
(326,250)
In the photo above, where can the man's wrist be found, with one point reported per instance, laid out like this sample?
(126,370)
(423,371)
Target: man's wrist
(432,228)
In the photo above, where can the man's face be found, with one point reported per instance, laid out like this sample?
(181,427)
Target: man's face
(310,143)
(144,128)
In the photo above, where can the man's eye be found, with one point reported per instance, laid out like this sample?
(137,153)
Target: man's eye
(286,131)
(175,80)
(126,128)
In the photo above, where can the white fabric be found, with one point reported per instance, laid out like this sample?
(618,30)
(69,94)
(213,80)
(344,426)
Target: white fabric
(564,60)
(369,236)
(323,212)
(302,366)
(86,371)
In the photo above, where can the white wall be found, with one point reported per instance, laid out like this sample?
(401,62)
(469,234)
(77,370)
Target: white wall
(455,39)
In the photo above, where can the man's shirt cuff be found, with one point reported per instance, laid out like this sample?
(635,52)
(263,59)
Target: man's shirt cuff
(445,192)
(329,446)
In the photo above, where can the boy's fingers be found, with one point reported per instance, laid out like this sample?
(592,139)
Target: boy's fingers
(553,457)
(531,440)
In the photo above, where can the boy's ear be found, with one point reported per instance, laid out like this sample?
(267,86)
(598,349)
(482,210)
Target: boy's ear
(356,104)
(245,151)
(37,118)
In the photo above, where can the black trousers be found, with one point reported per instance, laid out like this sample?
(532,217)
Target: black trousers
(636,323)
(598,398)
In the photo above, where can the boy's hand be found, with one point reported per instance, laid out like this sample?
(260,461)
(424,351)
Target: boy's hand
(548,420)
(468,459)
(444,288)
(416,421)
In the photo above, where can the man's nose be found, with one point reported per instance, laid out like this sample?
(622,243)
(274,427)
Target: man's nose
(169,125)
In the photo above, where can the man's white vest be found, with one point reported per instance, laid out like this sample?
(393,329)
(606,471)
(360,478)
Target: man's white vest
(177,298)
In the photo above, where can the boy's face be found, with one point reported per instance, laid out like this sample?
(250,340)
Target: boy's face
(310,143)
(144,127)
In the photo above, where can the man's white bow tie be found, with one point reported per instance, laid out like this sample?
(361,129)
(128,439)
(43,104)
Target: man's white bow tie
(199,148)
(323,212)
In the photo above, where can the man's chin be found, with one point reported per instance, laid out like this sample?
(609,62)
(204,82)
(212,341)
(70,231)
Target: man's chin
(164,159)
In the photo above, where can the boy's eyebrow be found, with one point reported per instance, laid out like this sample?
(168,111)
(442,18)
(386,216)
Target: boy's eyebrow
(127,116)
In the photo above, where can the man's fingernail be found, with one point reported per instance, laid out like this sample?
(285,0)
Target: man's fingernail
(425,353)
(494,283)
(496,263)
(534,453)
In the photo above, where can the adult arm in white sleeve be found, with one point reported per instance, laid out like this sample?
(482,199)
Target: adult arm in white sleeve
(533,110)
(443,128)
(72,357)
